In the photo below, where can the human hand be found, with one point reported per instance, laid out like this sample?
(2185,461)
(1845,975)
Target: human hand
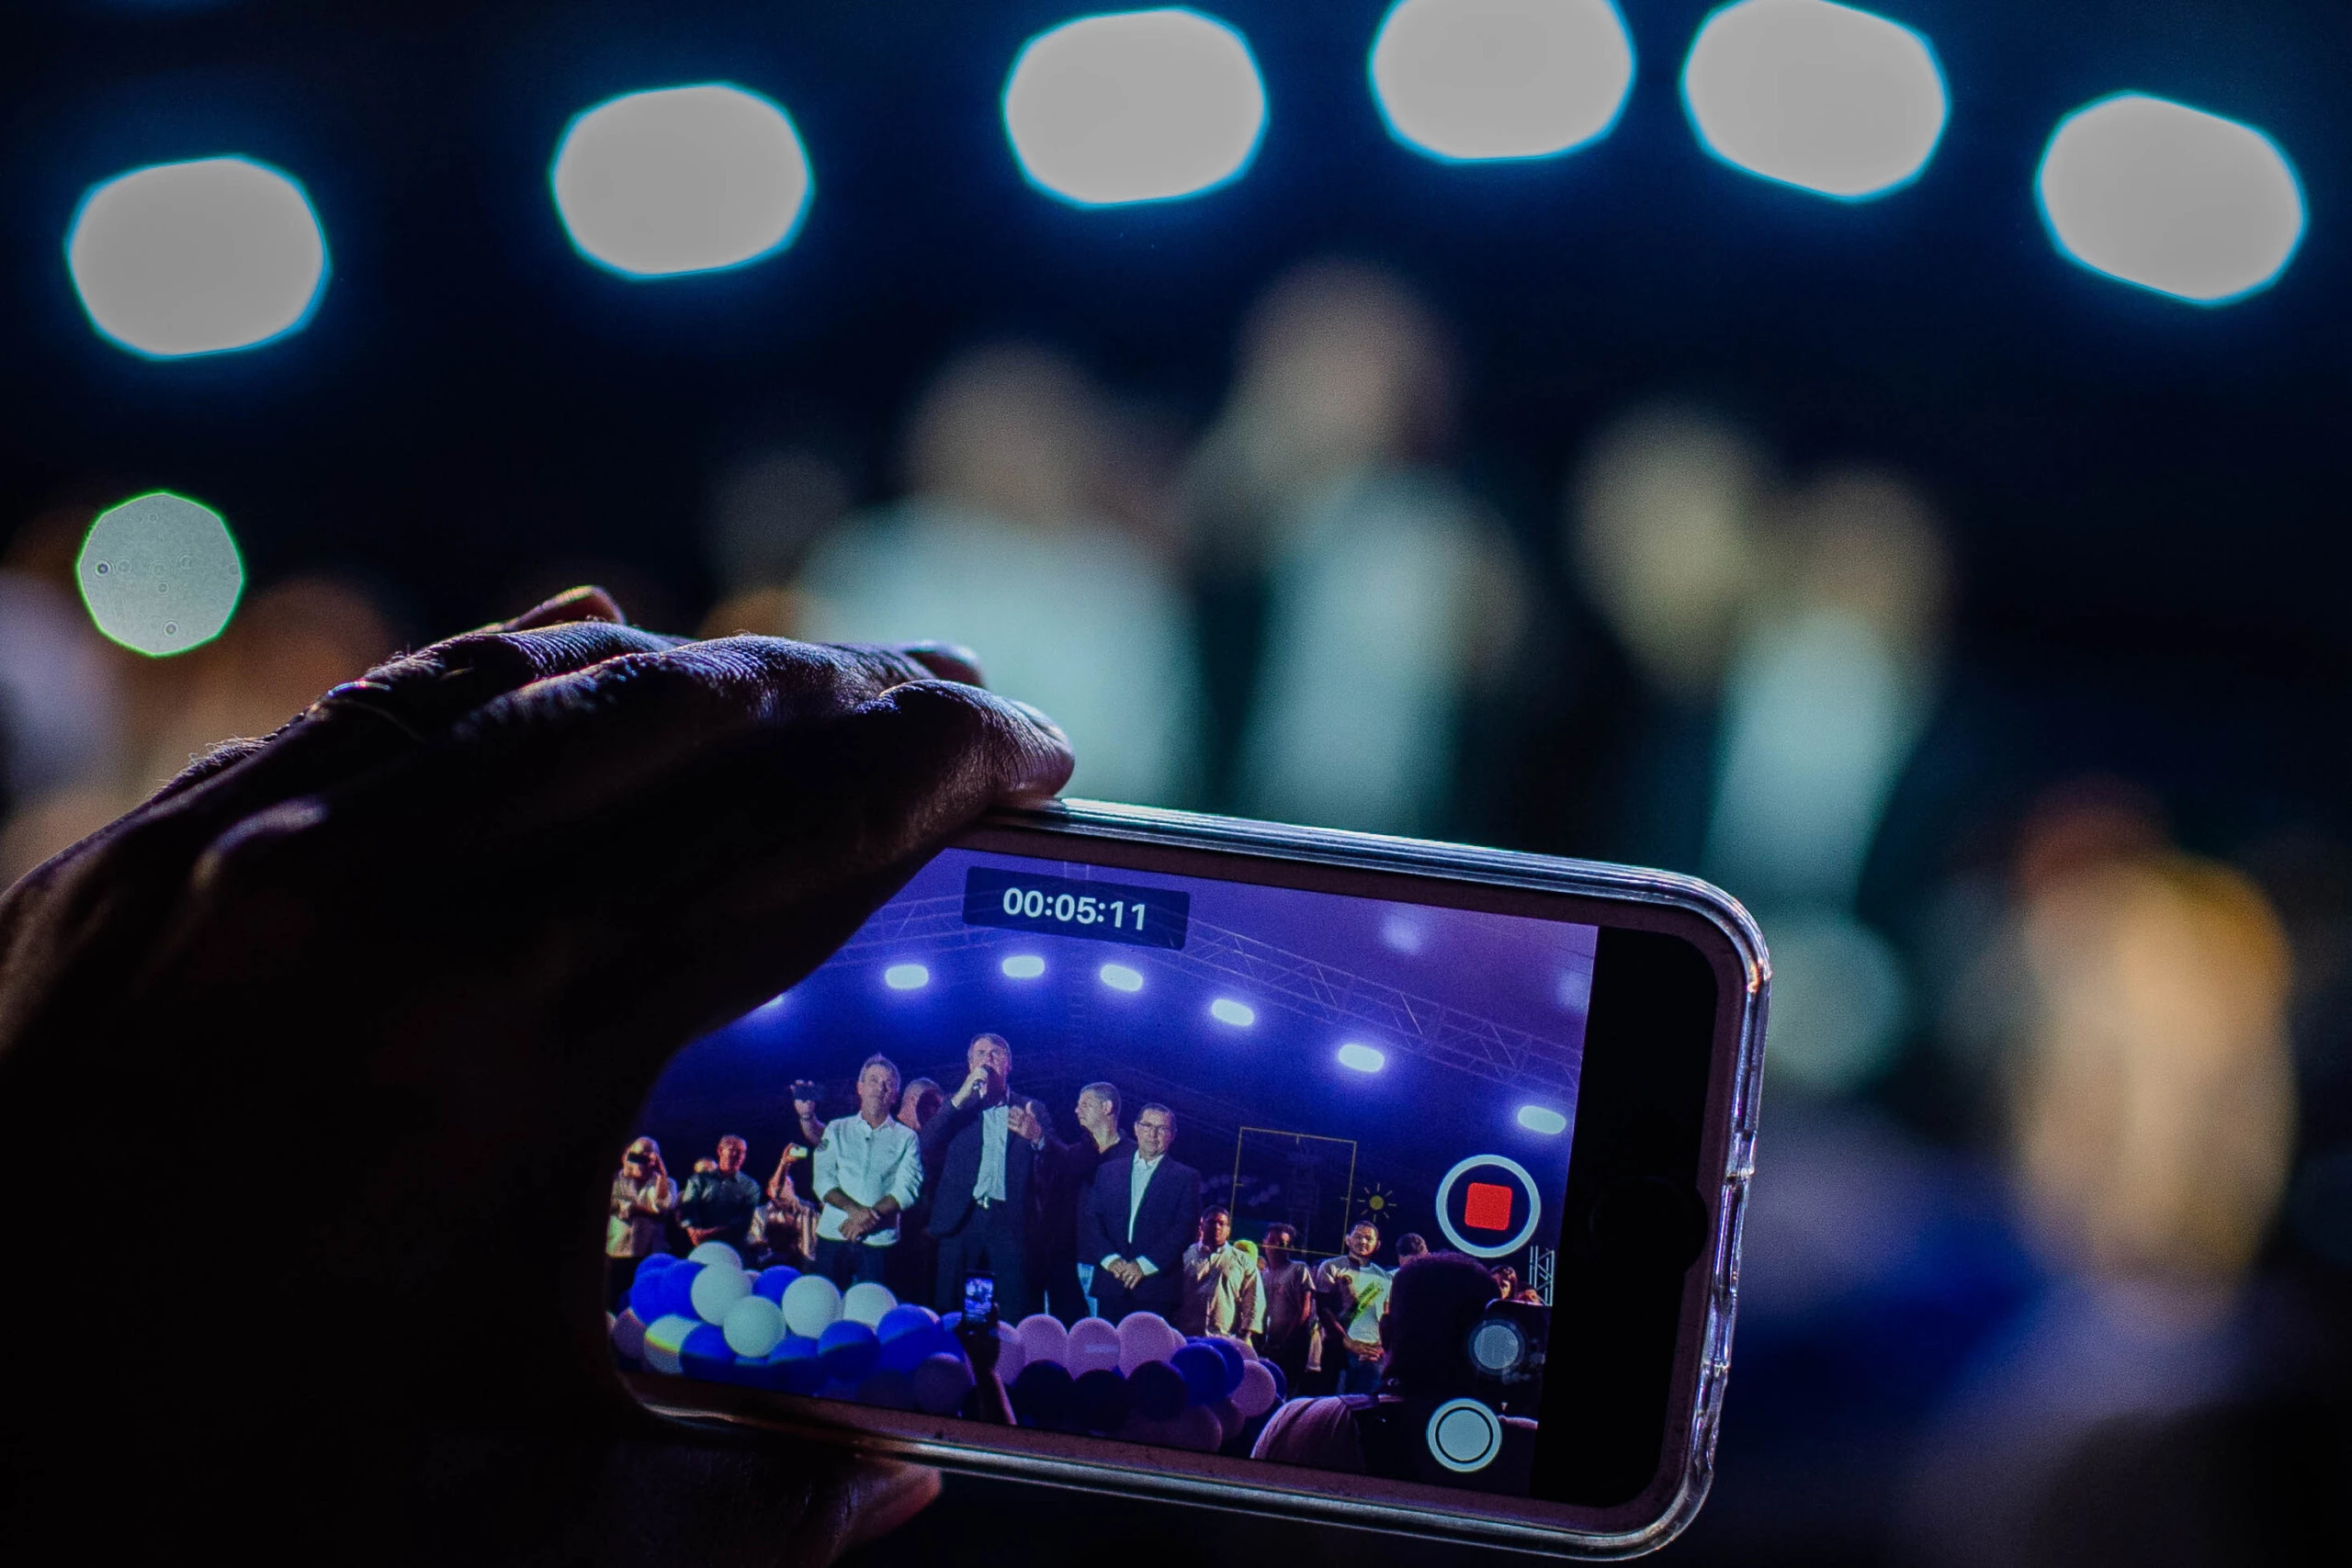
(437,936)
(1022,1123)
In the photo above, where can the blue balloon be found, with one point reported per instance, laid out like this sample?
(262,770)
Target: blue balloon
(645,1295)
(1157,1390)
(656,1263)
(909,1335)
(771,1282)
(1104,1400)
(795,1358)
(1203,1371)
(848,1351)
(676,1285)
(1282,1383)
(1042,1395)
(1235,1361)
(706,1355)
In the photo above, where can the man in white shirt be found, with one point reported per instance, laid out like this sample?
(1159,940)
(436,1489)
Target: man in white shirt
(1135,1223)
(1220,1281)
(1351,1292)
(867,1169)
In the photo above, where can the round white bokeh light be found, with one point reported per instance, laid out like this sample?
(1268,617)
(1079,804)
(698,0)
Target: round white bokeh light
(1482,79)
(1822,96)
(680,180)
(159,574)
(2170,198)
(197,257)
(1136,105)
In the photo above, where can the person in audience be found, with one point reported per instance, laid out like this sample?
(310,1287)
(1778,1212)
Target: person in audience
(718,1203)
(1506,1279)
(1220,1283)
(784,1230)
(1135,1219)
(1066,1171)
(1412,1243)
(986,1140)
(867,1169)
(643,1196)
(920,1103)
(1293,1332)
(1349,1291)
(1428,1311)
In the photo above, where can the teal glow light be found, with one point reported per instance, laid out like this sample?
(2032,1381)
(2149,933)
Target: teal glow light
(905,977)
(680,180)
(1468,81)
(160,573)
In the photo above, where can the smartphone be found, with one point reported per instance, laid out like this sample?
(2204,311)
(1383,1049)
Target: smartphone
(1484,1121)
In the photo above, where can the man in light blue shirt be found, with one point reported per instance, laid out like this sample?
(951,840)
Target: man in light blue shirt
(867,1170)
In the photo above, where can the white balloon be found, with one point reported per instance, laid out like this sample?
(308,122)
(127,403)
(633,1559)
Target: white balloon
(1093,1346)
(1010,1356)
(1043,1338)
(1256,1395)
(866,1303)
(717,1290)
(663,1338)
(810,1303)
(753,1326)
(629,1337)
(1146,1337)
(717,1252)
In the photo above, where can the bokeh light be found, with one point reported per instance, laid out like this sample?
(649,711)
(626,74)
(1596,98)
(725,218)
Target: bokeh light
(1813,94)
(1135,105)
(1481,79)
(2170,198)
(160,573)
(681,180)
(199,257)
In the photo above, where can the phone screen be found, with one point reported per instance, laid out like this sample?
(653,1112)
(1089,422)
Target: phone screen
(1260,1170)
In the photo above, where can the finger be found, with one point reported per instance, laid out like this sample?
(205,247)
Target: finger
(948,661)
(587,603)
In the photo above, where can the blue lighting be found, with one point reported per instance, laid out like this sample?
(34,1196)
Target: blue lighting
(1135,105)
(1119,978)
(1822,96)
(2170,198)
(1543,1120)
(905,977)
(1363,1058)
(681,180)
(1225,1010)
(201,257)
(1473,80)
(1024,966)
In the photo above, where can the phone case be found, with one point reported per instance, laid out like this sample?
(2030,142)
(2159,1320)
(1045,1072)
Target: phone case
(1362,1501)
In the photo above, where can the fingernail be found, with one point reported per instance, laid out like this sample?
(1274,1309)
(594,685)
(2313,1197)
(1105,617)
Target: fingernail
(587,603)
(1037,717)
(948,661)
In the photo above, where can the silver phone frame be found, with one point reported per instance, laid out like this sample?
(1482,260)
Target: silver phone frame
(1526,1525)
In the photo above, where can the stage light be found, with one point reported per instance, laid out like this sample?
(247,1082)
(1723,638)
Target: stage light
(197,257)
(905,977)
(1363,1058)
(1541,1119)
(2170,198)
(1468,79)
(681,180)
(1822,96)
(1575,990)
(159,574)
(1024,966)
(1119,978)
(1135,105)
(1400,934)
(1225,1010)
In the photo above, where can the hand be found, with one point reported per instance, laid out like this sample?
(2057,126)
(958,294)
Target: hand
(975,1082)
(1022,1123)
(1128,1273)
(445,928)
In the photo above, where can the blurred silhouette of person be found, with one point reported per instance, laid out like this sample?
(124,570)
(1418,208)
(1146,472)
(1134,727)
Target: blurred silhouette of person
(643,1196)
(1362,601)
(1001,544)
(1428,1312)
(2151,1111)
(1412,1243)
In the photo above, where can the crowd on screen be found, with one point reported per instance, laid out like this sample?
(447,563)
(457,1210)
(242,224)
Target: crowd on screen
(921,1187)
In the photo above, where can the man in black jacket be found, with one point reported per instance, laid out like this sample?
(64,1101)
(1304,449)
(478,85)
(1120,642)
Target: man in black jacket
(984,1144)
(1137,1219)
(1064,1178)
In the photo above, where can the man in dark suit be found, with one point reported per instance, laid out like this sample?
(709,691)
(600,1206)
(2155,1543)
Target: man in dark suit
(1065,1177)
(984,1144)
(1137,1219)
